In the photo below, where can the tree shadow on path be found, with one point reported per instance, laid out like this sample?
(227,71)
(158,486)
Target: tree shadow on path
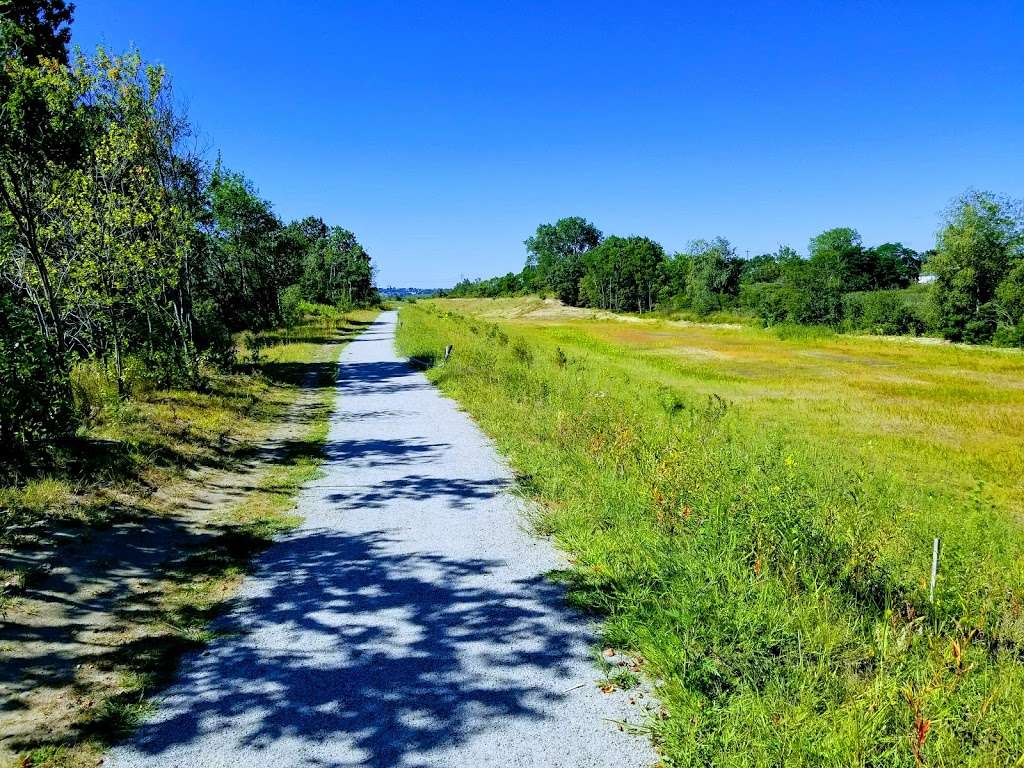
(352,645)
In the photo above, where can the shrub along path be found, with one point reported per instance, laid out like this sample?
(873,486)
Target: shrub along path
(407,621)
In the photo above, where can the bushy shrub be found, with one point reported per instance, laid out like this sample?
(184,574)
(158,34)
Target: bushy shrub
(980,328)
(1009,335)
(163,368)
(212,337)
(880,312)
(291,305)
(35,401)
(770,304)
(804,299)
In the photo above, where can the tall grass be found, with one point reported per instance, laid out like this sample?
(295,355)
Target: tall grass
(776,590)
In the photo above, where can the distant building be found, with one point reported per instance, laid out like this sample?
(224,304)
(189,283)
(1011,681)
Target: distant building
(925,279)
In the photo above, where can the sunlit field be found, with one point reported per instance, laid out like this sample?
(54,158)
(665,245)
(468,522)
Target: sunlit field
(948,419)
(754,511)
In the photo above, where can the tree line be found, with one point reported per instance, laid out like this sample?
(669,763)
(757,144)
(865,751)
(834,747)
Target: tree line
(973,289)
(119,242)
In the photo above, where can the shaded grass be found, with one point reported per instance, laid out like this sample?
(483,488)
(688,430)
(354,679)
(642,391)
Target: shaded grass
(197,584)
(753,516)
(147,440)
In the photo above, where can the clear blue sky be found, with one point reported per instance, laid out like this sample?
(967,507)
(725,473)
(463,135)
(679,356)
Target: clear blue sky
(442,133)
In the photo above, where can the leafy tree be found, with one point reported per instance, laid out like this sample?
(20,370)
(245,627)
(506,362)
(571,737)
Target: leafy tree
(675,273)
(243,272)
(35,29)
(117,223)
(1010,294)
(510,284)
(763,268)
(291,305)
(623,274)
(42,122)
(840,258)
(714,274)
(312,228)
(1010,297)
(807,293)
(980,247)
(529,279)
(895,265)
(644,269)
(759,283)
(99,237)
(556,250)
(35,402)
(883,312)
(337,270)
(840,255)
(115,240)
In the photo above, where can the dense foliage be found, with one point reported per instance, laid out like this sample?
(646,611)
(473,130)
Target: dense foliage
(973,290)
(979,271)
(118,243)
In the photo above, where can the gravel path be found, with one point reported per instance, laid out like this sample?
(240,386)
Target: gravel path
(407,622)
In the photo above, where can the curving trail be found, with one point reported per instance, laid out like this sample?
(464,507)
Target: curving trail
(407,622)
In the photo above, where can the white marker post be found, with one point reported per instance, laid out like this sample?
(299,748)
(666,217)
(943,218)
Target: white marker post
(935,569)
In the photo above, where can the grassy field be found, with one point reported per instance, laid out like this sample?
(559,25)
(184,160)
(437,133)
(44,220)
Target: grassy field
(195,485)
(753,511)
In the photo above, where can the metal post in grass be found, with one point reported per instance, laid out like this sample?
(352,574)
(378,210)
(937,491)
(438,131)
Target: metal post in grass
(935,570)
(447,353)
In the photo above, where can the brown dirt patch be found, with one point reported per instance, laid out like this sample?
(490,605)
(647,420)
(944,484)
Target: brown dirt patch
(92,604)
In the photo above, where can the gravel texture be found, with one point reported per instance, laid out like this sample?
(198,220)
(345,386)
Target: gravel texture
(407,622)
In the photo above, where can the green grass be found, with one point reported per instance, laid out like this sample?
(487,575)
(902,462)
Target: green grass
(753,516)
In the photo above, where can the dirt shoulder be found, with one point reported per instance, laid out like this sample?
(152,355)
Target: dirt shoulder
(103,611)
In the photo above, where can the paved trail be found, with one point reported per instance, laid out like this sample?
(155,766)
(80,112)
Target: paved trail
(407,622)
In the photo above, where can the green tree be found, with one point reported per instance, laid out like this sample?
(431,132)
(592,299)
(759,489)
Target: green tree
(556,250)
(979,247)
(714,274)
(41,128)
(35,402)
(839,257)
(337,270)
(673,287)
(510,284)
(763,268)
(244,271)
(895,265)
(1010,297)
(117,221)
(35,29)
(623,274)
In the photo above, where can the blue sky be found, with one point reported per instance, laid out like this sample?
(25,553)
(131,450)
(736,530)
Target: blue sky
(442,133)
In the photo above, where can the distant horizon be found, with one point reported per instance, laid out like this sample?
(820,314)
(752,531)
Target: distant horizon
(443,135)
